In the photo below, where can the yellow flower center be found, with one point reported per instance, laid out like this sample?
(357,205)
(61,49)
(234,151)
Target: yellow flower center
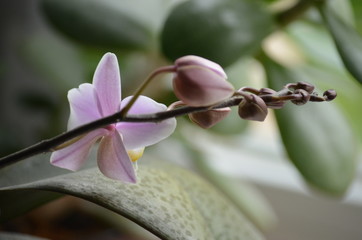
(135,154)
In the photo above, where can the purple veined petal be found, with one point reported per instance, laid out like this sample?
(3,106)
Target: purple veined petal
(107,83)
(138,135)
(113,160)
(73,156)
(84,105)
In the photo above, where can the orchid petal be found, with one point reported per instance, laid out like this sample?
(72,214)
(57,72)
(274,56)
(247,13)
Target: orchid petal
(107,83)
(138,135)
(74,155)
(84,105)
(113,160)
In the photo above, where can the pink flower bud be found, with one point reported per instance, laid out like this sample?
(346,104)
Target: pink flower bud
(200,82)
(253,108)
(209,118)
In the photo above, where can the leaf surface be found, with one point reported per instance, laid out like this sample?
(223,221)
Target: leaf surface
(220,30)
(96,23)
(171,202)
(348,41)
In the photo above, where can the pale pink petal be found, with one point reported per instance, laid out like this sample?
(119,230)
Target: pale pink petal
(84,105)
(113,160)
(107,83)
(190,60)
(138,135)
(73,156)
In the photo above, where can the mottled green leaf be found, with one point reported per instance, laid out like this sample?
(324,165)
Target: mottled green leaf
(316,136)
(347,40)
(220,30)
(246,197)
(96,23)
(171,202)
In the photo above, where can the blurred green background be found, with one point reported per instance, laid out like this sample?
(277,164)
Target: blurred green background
(48,47)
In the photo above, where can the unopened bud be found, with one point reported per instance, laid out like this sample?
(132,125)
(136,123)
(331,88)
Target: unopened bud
(329,95)
(267,91)
(271,104)
(200,82)
(304,97)
(253,108)
(209,118)
(305,86)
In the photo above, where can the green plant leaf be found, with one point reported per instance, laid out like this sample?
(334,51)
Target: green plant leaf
(316,136)
(357,12)
(347,40)
(96,23)
(171,202)
(325,69)
(220,30)
(245,197)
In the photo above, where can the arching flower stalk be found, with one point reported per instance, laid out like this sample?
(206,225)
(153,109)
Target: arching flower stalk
(124,128)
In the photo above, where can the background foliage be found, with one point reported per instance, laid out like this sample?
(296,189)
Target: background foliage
(51,46)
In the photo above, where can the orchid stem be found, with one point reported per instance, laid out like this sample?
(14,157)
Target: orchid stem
(73,135)
(58,141)
(138,92)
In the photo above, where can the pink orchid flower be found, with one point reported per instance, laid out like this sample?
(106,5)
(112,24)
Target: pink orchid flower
(120,143)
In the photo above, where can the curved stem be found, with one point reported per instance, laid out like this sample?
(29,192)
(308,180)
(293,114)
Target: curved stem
(138,92)
(71,136)
(52,143)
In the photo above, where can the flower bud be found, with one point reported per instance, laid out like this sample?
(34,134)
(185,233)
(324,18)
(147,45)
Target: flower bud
(200,82)
(267,91)
(271,104)
(253,108)
(209,118)
(305,96)
(329,95)
(305,86)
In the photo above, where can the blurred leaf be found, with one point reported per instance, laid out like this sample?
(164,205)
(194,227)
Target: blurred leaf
(152,13)
(56,60)
(316,44)
(316,136)
(347,40)
(349,91)
(220,30)
(357,11)
(168,201)
(325,69)
(343,9)
(96,23)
